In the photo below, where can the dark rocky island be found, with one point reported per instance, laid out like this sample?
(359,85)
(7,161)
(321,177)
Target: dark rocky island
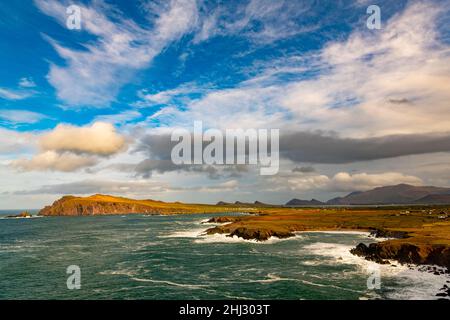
(24,214)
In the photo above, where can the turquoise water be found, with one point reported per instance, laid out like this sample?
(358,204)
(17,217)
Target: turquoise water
(167,257)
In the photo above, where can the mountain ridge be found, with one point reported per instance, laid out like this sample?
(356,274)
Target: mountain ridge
(387,195)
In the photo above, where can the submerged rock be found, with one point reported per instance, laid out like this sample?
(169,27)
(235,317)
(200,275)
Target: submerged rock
(380,233)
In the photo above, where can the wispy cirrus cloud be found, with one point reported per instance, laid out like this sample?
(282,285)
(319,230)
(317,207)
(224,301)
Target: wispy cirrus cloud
(18,117)
(94,76)
(258,20)
(23,90)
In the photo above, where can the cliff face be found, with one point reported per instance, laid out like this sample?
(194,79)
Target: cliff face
(74,206)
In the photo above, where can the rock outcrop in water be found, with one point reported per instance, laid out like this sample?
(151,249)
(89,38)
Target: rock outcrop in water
(404,253)
(258,234)
(223,219)
(24,214)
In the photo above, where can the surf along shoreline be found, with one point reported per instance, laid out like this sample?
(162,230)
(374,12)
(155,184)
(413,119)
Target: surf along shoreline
(418,235)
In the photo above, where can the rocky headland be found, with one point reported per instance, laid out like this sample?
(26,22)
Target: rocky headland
(109,205)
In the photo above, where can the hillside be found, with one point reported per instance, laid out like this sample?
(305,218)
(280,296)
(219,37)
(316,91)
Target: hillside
(299,202)
(398,194)
(434,199)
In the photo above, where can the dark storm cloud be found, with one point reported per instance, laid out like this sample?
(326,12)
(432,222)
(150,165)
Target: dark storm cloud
(147,167)
(158,149)
(299,147)
(304,169)
(315,147)
(400,101)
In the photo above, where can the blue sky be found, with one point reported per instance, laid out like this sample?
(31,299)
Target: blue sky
(222,60)
(137,69)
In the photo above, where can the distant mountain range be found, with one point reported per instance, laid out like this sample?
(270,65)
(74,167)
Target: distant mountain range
(245,204)
(398,194)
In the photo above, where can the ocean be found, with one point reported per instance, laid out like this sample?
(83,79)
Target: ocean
(169,257)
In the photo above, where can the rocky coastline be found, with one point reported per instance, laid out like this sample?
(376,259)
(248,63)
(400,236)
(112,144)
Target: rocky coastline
(432,258)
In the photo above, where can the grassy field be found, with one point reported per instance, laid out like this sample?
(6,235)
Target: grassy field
(430,225)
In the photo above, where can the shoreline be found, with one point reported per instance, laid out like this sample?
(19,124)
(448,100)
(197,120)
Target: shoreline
(405,255)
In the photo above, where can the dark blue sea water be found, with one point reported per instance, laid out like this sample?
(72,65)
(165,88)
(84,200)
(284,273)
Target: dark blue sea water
(167,257)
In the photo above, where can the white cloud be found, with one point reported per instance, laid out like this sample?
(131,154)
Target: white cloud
(402,62)
(170,96)
(27,83)
(68,148)
(120,118)
(247,107)
(12,94)
(346,182)
(12,142)
(20,116)
(265,14)
(23,91)
(98,139)
(178,18)
(51,160)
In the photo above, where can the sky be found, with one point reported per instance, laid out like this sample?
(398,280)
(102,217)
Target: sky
(91,110)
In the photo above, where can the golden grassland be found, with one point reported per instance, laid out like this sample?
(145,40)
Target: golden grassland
(423,224)
(416,235)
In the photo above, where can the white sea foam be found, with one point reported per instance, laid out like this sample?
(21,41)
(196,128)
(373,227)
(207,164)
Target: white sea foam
(224,238)
(120,272)
(171,283)
(19,218)
(272,278)
(362,233)
(205,222)
(414,284)
(193,233)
